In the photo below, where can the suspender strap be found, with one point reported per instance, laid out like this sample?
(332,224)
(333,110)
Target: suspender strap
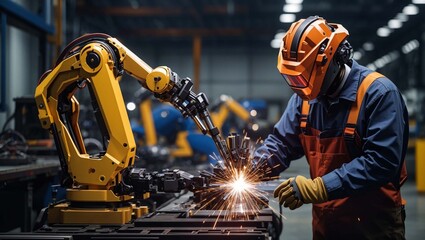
(350,127)
(352,142)
(305,108)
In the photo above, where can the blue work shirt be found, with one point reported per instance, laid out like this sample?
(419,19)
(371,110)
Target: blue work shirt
(382,125)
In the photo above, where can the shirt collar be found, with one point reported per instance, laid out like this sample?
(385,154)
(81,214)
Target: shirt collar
(349,91)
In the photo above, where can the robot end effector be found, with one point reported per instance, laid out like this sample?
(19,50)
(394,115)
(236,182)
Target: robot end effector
(167,86)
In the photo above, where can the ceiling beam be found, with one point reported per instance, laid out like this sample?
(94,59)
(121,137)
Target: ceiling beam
(136,12)
(162,11)
(190,32)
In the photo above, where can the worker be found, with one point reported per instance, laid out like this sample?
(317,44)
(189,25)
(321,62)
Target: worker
(351,124)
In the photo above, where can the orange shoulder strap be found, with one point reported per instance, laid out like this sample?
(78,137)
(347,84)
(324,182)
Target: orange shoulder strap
(305,108)
(355,108)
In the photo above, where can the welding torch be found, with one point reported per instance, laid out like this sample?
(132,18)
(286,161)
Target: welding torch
(181,96)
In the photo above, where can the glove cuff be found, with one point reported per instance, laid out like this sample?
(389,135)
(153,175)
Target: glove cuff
(322,195)
(309,191)
(296,190)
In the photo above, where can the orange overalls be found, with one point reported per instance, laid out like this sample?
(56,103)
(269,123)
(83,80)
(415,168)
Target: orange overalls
(371,214)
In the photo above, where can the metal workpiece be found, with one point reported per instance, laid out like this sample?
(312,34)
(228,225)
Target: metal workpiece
(203,219)
(240,150)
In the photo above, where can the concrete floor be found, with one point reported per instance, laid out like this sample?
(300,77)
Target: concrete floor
(297,224)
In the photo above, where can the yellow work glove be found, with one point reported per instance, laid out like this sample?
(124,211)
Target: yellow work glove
(294,192)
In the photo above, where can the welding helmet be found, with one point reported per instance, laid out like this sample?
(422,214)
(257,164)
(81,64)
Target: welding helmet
(311,55)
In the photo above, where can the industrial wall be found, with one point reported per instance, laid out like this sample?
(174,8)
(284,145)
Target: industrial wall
(236,71)
(22,65)
(22,52)
(240,72)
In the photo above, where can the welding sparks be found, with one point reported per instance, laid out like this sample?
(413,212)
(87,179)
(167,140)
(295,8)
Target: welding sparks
(239,186)
(233,192)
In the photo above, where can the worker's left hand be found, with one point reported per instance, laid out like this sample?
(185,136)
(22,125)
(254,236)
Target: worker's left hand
(294,192)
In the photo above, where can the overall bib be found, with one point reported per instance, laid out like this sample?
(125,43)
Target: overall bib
(375,213)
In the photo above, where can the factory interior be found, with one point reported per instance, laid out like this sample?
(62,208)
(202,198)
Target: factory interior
(138,119)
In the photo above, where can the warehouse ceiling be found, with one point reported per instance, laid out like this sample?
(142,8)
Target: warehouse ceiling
(250,22)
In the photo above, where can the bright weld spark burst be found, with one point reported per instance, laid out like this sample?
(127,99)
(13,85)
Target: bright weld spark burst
(239,186)
(234,193)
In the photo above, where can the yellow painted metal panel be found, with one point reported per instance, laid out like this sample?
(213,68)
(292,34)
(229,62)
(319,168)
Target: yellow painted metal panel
(420,164)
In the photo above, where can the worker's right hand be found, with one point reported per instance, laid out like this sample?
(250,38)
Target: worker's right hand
(294,192)
(286,195)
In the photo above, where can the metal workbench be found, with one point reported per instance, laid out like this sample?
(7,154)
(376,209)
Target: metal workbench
(41,166)
(22,187)
(175,220)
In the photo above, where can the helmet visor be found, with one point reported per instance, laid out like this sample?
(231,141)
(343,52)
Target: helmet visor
(298,74)
(296,81)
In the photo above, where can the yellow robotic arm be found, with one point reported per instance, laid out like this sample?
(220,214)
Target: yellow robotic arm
(98,61)
(93,61)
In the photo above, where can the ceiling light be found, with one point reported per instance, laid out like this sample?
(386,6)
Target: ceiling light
(279,35)
(371,66)
(379,63)
(413,1)
(275,43)
(131,106)
(386,59)
(287,18)
(383,32)
(402,17)
(410,9)
(395,24)
(415,43)
(368,46)
(406,49)
(292,8)
(294,1)
(410,46)
(357,55)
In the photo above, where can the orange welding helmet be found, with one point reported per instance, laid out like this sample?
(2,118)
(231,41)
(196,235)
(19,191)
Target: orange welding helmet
(311,54)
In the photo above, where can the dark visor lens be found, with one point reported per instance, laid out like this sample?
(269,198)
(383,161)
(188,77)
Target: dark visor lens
(296,81)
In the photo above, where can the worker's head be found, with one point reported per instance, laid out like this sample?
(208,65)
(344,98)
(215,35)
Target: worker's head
(311,55)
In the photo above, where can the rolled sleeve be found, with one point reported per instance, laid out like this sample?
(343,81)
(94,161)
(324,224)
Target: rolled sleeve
(332,182)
